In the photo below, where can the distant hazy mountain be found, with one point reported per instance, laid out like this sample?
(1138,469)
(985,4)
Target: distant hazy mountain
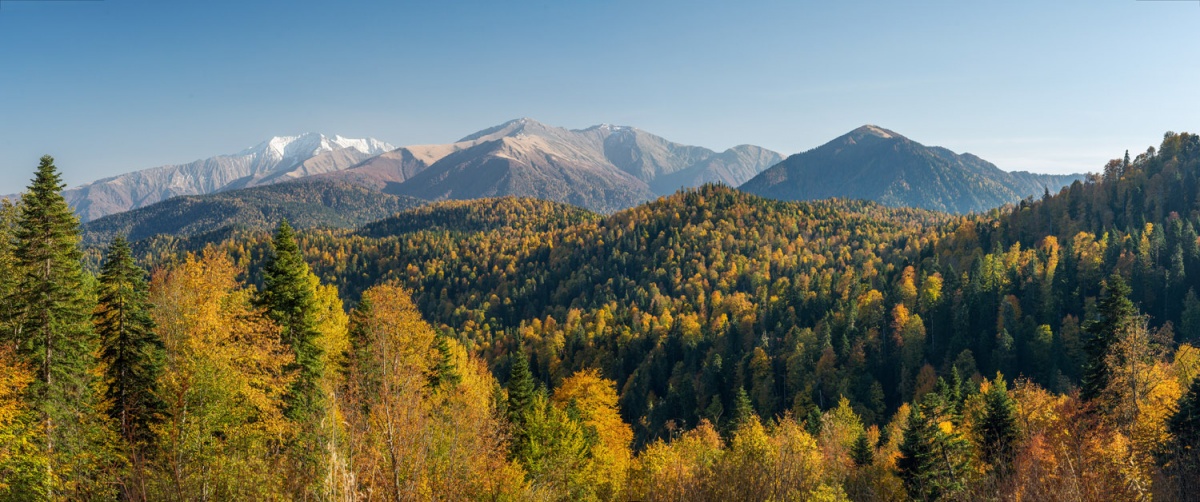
(877,164)
(278,159)
(305,203)
(602,167)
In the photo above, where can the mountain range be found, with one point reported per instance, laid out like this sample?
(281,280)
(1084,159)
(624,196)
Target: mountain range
(279,159)
(602,168)
(877,164)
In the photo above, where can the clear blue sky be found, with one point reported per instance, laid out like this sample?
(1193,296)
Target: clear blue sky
(117,85)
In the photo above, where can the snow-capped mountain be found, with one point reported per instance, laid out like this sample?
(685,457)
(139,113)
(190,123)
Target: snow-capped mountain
(278,159)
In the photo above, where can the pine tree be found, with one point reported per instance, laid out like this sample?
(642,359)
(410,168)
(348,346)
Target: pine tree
(1116,314)
(998,428)
(288,296)
(48,320)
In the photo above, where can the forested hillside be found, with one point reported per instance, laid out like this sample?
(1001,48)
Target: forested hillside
(708,345)
(307,204)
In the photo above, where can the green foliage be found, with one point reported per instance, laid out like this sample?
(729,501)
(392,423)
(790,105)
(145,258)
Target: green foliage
(998,429)
(863,453)
(131,351)
(1116,315)
(444,373)
(935,459)
(1182,458)
(47,317)
(288,297)
(521,396)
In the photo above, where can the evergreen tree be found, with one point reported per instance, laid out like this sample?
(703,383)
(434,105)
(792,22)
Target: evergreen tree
(288,296)
(131,351)
(998,427)
(444,370)
(743,409)
(1183,457)
(862,452)
(521,397)
(1116,313)
(934,458)
(48,320)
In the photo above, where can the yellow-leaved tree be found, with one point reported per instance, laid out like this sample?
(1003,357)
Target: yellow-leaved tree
(21,460)
(223,383)
(594,399)
(420,413)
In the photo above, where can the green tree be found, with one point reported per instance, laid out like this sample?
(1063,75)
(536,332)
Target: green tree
(48,319)
(132,353)
(934,458)
(521,394)
(444,372)
(1116,313)
(289,297)
(1190,320)
(998,428)
(743,409)
(862,452)
(290,301)
(130,349)
(1183,456)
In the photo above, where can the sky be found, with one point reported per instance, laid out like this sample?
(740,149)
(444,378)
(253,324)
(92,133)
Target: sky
(112,86)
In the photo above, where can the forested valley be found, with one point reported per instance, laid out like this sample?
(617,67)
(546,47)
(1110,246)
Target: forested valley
(710,345)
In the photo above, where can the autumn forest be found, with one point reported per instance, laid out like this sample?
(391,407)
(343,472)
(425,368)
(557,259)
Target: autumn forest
(709,345)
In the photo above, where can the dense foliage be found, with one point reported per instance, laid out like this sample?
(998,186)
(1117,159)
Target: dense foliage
(709,345)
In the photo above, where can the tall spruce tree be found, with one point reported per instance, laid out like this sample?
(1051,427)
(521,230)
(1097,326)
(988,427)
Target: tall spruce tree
(1116,314)
(521,397)
(998,429)
(131,351)
(935,459)
(48,318)
(289,298)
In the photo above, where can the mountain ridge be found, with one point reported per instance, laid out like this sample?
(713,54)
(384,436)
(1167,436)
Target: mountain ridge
(281,158)
(874,163)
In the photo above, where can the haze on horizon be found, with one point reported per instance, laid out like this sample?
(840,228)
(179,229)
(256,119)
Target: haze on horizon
(117,85)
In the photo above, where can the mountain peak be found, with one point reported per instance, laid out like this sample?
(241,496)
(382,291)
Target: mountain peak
(311,143)
(510,128)
(873,130)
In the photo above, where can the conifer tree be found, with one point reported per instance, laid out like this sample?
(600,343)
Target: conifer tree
(1183,457)
(48,320)
(743,409)
(289,299)
(444,371)
(998,428)
(131,351)
(1116,314)
(521,394)
(934,457)
(862,452)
